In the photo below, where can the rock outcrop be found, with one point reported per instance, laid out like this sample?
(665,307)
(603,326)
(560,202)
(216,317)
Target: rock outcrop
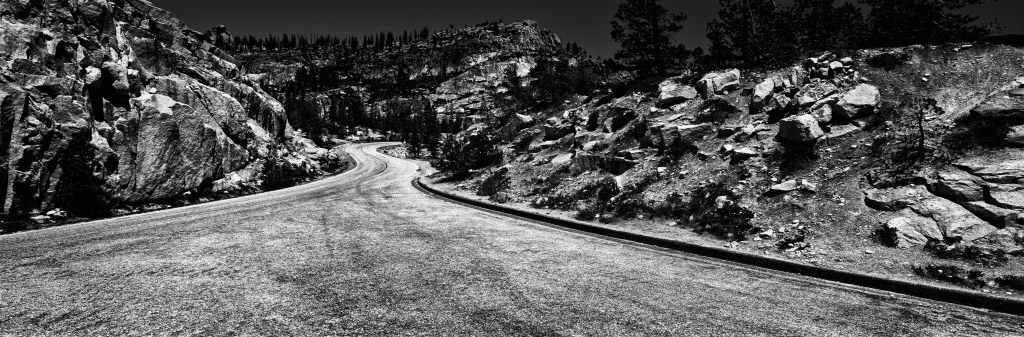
(107,103)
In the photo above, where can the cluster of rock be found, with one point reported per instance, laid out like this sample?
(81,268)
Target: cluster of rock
(112,102)
(806,102)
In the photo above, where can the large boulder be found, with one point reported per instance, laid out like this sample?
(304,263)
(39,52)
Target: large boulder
(762,92)
(780,106)
(857,103)
(718,83)
(822,114)
(671,92)
(171,157)
(625,103)
(115,76)
(653,137)
(799,129)
(912,230)
(894,199)
(554,132)
(686,136)
(676,137)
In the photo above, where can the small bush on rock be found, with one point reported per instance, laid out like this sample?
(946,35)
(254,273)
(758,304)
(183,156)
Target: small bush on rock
(630,205)
(587,210)
(1011,281)
(713,209)
(952,274)
(279,173)
(985,257)
(794,239)
(496,182)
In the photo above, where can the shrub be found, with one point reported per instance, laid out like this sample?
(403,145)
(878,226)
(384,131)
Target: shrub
(713,210)
(588,210)
(985,257)
(595,190)
(673,206)
(459,155)
(494,183)
(952,274)
(888,61)
(1011,281)
(793,239)
(279,173)
(630,205)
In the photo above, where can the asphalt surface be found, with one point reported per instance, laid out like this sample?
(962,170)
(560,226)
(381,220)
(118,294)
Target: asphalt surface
(365,253)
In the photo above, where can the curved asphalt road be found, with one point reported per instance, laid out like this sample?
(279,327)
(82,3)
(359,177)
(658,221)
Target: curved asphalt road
(364,253)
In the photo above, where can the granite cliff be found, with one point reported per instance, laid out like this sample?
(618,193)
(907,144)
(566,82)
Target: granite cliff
(112,103)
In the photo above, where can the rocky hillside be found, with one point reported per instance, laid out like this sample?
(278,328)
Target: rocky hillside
(112,103)
(830,161)
(455,73)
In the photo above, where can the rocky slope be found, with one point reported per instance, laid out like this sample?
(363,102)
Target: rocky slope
(108,103)
(831,161)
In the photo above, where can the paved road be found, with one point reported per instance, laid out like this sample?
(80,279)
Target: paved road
(364,253)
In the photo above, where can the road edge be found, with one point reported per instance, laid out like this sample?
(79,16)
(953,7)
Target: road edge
(932,292)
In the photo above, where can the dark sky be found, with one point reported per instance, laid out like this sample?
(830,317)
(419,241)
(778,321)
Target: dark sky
(586,22)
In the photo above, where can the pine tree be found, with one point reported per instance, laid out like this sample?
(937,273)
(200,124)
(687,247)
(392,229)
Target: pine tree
(904,22)
(822,26)
(751,32)
(644,29)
